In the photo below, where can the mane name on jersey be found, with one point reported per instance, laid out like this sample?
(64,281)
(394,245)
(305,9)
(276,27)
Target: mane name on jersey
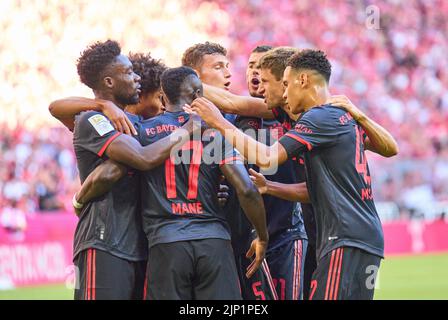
(187,208)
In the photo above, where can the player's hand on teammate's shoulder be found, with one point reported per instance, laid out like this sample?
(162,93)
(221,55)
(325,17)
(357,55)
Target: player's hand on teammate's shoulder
(206,110)
(257,247)
(344,102)
(117,117)
(259,180)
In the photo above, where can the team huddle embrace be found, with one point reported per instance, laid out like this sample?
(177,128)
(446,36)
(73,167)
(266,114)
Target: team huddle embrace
(192,192)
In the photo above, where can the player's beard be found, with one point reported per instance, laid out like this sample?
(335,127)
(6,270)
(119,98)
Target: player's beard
(127,99)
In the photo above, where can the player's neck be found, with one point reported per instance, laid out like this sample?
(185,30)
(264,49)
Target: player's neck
(294,117)
(319,96)
(132,108)
(174,107)
(108,96)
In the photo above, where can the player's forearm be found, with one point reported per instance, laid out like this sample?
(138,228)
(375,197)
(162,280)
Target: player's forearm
(297,192)
(128,151)
(100,181)
(70,107)
(252,204)
(255,152)
(241,105)
(66,109)
(380,140)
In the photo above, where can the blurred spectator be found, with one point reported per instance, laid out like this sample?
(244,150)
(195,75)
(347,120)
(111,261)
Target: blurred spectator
(397,72)
(13,219)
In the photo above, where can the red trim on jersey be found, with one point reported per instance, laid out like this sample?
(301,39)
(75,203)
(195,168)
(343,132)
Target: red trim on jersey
(334,275)
(330,271)
(145,288)
(94,275)
(112,138)
(267,273)
(230,160)
(302,141)
(338,274)
(298,247)
(89,276)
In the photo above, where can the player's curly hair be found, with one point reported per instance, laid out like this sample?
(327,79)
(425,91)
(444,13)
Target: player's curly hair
(194,55)
(313,60)
(94,60)
(276,59)
(172,79)
(149,70)
(262,48)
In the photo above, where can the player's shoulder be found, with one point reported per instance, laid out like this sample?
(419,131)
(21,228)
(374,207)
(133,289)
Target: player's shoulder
(243,122)
(90,114)
(326,113)
(93,120)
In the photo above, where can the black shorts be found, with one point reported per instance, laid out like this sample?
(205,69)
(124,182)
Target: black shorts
(258,287)
(286,263)
(346,273)
(102,276)
(192,270)
(310,267)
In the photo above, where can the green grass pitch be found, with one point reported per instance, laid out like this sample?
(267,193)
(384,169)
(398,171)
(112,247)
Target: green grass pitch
(406,277)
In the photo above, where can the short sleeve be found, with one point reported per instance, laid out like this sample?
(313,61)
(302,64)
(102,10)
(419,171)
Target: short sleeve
(94,132)
(317,128)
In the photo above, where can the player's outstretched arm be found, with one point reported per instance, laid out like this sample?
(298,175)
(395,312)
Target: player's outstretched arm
(100,181)
(128,151)
(379,140)
(241,105)
(252,204)
(296,192)
(66,109)
(266,157)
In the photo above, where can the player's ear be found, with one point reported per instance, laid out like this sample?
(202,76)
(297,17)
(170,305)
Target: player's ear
(197,73)
(108,82)
(303,79)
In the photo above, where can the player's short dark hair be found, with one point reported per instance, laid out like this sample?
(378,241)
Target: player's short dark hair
(94,60)
(149,70)
(194,55)
(313,60)
(276,60)
(263,48)
(172,79)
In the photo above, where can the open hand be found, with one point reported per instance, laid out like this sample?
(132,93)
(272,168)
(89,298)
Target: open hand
(345,103)
(206,110)
(118,118)
(259,180)
(257,247)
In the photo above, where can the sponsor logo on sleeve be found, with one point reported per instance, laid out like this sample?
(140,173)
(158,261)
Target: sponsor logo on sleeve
(101,124)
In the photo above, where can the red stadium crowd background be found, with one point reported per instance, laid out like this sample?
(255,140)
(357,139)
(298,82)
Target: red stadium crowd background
(398,74)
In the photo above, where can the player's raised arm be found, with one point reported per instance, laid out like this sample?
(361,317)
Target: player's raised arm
(94,133)
(378,140)
(98,182)
(127,150)
(291,192)
(241,105)
(252,204)
(266,157)
(66,109)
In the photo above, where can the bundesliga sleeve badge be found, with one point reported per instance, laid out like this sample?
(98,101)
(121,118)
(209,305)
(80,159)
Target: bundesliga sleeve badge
(101,124)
